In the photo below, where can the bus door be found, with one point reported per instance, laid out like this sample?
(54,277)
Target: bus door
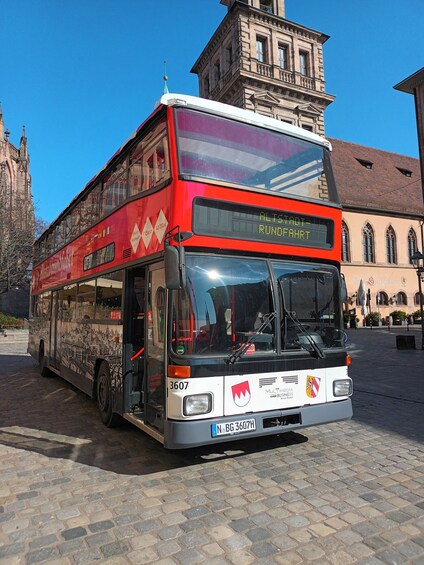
(155,347)
(134,339)
(145,343)
(55,330)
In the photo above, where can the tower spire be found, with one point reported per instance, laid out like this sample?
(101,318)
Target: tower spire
(1,123)
(165,78)
(23,146)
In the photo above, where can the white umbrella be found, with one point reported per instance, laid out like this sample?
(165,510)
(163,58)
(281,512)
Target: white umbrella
(362,298)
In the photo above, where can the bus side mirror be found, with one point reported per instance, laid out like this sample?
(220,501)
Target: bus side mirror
(343,289)
(175,275)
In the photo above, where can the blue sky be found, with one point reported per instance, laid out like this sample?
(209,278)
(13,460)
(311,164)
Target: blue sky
(82,75)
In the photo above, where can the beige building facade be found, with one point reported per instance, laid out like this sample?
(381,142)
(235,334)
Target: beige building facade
(392,286)
(259,60)
(382,225)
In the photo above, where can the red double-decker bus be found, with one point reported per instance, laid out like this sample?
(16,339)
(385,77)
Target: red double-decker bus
(193,286)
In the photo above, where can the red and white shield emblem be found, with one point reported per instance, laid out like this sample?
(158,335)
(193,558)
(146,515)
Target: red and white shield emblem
(241,394)
(312,386)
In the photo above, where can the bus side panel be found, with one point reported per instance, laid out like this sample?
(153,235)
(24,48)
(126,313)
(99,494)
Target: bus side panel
(83,346)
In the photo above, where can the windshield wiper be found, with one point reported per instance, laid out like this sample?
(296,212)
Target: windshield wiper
(292,317)
(268,318)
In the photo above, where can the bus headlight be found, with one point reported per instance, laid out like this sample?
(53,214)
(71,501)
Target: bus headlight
(197,404)
(343,387)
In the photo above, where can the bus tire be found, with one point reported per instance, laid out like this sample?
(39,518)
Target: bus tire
(42,362)
(104,396)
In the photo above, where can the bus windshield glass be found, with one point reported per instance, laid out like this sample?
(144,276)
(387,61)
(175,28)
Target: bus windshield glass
(230,301)
(227,151)
(311,305)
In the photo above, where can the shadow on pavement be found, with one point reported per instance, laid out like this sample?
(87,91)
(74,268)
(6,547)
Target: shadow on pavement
(50,417)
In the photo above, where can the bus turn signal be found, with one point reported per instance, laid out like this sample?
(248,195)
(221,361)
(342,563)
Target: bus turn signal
(179,371)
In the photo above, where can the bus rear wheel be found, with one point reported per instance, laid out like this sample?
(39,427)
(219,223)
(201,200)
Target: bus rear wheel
(104,397)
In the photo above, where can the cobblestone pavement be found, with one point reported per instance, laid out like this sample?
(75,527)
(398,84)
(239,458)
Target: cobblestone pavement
(74,492)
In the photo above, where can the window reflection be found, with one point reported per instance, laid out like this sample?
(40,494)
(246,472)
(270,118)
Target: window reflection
(219,149)
(223,305)
(229,301)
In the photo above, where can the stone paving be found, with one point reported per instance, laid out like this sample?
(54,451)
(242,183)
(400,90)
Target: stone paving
(74,492)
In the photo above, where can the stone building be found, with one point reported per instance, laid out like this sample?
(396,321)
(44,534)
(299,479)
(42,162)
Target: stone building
(16,222)
(259,60)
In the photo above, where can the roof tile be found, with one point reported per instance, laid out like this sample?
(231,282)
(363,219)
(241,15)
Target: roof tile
(383,187)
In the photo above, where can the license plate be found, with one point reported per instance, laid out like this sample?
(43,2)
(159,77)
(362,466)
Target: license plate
(235,427)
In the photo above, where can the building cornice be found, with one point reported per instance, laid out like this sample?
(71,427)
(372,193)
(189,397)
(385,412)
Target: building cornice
(405,214)
(239,8)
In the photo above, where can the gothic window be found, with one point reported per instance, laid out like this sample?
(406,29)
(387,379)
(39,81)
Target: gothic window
(412,244)
(417,298)
(401,299)
(282,57)
(391,245)
(381,298)
(261,52)
(303,63)
(368,244)
(345,243)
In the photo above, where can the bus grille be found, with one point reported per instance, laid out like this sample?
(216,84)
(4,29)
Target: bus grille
(280,421)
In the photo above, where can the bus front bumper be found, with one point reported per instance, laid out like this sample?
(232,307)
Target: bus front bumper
(194,433)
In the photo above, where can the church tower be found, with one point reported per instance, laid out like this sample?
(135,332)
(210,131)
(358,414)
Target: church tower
(260,61)
(15,182)
(16,223)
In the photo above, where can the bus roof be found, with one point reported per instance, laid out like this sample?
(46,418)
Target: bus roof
(246,116)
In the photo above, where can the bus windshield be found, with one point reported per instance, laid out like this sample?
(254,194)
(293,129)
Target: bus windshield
(226,151)
(230,301)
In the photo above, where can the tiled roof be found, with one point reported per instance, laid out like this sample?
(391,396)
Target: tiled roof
(383,186)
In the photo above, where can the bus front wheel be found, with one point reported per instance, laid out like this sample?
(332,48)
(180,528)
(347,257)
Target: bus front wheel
(104,397)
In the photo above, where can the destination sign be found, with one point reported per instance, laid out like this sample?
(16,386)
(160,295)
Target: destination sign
(237,221)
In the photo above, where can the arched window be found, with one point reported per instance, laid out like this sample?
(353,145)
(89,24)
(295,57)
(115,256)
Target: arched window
(401,299)
(417,298)
(412,244)
(368,243)
(381,298)
(345,243)
(391,245)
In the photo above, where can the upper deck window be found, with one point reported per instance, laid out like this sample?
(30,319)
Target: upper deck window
(228,151)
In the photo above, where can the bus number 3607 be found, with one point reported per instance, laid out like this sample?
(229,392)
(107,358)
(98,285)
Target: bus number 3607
(178,385)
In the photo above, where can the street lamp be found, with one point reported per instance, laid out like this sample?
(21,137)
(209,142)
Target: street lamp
(418,261)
